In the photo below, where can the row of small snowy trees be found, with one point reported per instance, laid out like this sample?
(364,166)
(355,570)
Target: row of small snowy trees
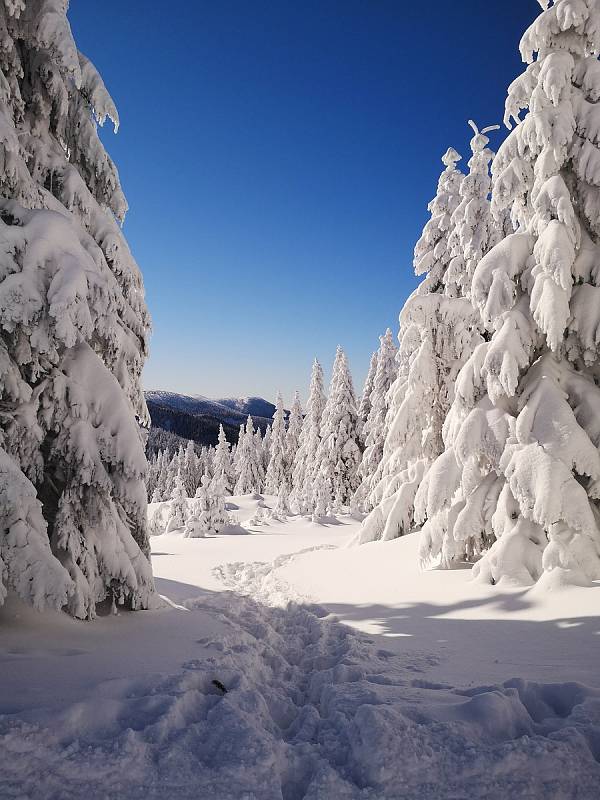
(203,516)
(493,430)
(190,463)
(322,461)
(339,441)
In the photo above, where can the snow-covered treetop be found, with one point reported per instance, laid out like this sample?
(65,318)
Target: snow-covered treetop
(294,429)
(431,251)
(365,401)
(473,228)
(316,393)
(450,158)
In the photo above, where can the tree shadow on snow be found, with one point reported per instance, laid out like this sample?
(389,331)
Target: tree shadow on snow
(464,640)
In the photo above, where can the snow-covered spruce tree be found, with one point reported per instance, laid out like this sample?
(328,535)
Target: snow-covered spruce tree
(152,474)
(259,447)
(170,471)
(277,469)
(192,469)
(474,233)
(222,463)
(338,454)
(157,479)
(206,465)
(364,407)
(208,515)
(523,436)
(249,462)
(320,497)
(266,449)
(282,509)
(304,466)
(178,507)
(74,332)
(292,437)
(236,452)
(439,330)
(374,426)
(156,498)
(178,461)
(158,493)
(169,474)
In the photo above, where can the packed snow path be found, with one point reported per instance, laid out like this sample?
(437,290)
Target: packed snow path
(311,710)
(239,694)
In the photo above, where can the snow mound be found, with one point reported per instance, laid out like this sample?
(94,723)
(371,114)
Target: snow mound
(261,580)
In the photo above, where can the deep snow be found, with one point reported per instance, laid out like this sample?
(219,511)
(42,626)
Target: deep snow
(438,687)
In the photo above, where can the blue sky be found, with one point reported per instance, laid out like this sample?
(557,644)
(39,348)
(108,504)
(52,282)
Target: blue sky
(278,158)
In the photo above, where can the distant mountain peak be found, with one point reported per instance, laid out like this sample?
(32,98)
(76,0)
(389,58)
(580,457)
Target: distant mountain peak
(255,406)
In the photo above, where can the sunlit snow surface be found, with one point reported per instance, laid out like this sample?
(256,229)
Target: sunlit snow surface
(436,686)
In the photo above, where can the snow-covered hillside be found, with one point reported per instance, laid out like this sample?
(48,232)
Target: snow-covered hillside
(245,684)
(198,418)
(255,406)
(231,411)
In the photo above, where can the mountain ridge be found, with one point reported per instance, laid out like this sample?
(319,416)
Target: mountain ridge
(197,417)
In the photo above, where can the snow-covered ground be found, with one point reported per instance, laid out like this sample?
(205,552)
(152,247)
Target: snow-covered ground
(437,687)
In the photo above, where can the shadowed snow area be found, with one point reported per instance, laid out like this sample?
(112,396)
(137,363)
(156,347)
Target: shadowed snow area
(436,687)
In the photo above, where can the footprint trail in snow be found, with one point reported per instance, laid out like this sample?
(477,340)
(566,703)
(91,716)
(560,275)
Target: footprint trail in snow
(312,711)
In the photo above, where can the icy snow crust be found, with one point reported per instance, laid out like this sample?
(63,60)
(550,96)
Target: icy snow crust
(314,708)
